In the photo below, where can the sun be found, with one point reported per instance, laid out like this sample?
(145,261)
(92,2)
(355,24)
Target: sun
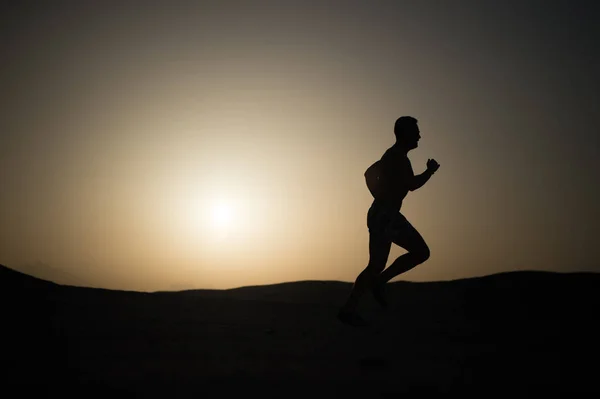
(221,215)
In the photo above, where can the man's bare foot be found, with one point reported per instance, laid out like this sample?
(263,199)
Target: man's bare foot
(351,318)
(378,291)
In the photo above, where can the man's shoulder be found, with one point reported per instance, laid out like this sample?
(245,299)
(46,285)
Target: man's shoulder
(394,155)
(390,153)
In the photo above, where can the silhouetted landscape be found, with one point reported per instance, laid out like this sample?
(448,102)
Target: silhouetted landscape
(516,333)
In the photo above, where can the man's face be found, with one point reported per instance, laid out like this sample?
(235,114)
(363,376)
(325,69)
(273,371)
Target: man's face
(412,136)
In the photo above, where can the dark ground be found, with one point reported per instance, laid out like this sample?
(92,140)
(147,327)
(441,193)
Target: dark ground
(518,333)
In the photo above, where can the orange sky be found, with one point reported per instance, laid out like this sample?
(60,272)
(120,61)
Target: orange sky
(124,129)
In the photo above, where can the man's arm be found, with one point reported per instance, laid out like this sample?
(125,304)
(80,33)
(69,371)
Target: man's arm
(419,180)
(372,177)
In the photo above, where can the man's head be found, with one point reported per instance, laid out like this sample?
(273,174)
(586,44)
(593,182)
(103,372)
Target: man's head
(407,132)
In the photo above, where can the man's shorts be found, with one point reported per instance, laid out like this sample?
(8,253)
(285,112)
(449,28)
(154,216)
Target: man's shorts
(389,224)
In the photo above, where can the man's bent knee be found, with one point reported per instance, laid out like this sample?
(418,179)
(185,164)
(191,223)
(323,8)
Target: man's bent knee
(422,253)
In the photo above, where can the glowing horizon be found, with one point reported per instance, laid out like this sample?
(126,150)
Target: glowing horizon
(225,146)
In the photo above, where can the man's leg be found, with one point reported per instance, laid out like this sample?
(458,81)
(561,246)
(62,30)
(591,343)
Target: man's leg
(410,239)
(379,249)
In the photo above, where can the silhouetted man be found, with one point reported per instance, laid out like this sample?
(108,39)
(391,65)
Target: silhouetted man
(389,180)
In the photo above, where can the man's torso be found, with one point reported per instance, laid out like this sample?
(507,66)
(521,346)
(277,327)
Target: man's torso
(396,174)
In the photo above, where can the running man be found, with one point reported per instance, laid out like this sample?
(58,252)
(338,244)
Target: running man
(389,180)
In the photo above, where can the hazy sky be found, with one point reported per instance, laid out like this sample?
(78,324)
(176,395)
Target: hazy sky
(203,144)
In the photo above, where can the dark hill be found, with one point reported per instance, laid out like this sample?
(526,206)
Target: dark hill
(518,333)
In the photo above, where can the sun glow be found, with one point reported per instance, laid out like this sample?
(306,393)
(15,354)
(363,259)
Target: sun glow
(221,215)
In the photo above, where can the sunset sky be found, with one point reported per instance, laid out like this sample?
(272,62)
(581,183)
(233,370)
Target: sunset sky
(217,144)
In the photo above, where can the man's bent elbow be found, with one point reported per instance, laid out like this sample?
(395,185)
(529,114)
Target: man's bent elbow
(412,184)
